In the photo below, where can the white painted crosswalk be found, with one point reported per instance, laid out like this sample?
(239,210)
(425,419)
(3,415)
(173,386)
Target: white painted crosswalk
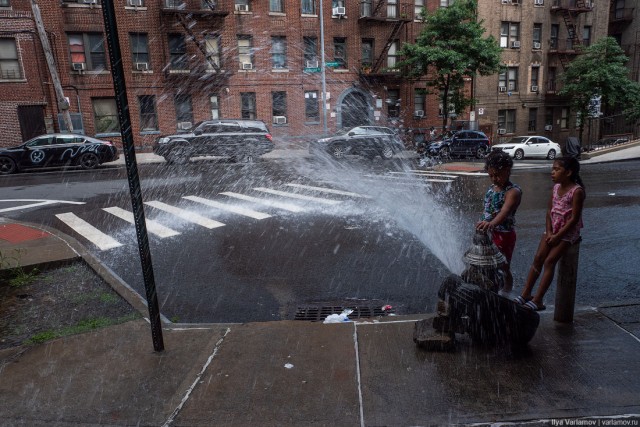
(300,199)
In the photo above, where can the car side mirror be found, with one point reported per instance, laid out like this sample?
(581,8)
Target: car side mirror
(197,131)
(351,133)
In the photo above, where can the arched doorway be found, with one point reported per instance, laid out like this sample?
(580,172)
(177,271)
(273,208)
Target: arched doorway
(355,110)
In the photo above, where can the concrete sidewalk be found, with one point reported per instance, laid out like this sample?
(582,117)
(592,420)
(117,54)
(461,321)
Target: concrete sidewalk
(298,373)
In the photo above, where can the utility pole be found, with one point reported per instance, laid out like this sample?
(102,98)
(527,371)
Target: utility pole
(324,76)
(63,104)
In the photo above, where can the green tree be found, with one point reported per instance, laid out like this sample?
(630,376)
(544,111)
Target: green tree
(600,72)
(450,49)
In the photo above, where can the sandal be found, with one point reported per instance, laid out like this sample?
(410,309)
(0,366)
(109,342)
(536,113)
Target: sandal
(522,300)
(533,306)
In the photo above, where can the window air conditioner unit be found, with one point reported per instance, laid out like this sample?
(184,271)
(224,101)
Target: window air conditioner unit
(548,127)
(89,1)
(142,66)
(505,2)
(242,7)
(537,45)
(279,120)
(502,88)
(502,131)
(247,66)
(538,2)
(515,44)
(419,113)
(184,125)
(339,11)
(312,64)
(79,66)
(135,3)
(534,88)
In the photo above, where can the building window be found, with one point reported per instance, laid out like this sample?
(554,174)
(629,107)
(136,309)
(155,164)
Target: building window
(140,51)
(245,52)
(310,49)
(178,52)
(9,64)
(446,3)
(248,105)
(548,117)
(392,9)
(507,120)
(279,52)
(311,106)
(367,53)
(419,98)
(419,5)
(242,5)
(215,107)
(564,118)
(392,56)
(509,79)
(510,35)
(553,37)
(105,115)
(88,49)
(551,79)
(212,46)
(184,108)
(148,114)
(535,78)
(279,105)
(340,51)
(5,3)
(308,7)
(533,119)
(276,6)
(537,36)
(393,103)
(586,36)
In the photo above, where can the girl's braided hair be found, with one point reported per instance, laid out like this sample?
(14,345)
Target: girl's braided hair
(498,160)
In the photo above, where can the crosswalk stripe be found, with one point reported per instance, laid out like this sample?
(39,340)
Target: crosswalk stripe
(298,196)
(152,226)
(286,206)
(235,209)
(88,231)
(329,190)
(185,214)
(397,178)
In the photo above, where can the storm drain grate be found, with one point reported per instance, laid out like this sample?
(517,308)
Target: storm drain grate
(318,314)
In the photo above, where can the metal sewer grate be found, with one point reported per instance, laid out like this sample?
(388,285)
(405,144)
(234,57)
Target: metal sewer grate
(318,314)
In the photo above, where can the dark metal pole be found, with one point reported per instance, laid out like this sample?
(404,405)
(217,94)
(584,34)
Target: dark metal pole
(117,72)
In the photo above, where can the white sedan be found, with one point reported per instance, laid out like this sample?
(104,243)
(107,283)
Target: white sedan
(520,147)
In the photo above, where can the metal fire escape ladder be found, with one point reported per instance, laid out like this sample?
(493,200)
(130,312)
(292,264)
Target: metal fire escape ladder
(377,7)
(187,24)
(397,26)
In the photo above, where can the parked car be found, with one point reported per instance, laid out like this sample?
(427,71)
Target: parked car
(462,143)
(239,140)
(367,141)
(57,149)
(520,147)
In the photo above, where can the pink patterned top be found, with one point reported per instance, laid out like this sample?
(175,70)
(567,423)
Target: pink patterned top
(561,208)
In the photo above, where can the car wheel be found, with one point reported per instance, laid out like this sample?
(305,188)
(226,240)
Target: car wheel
(445,152)
(387,153)
(551,154)
(519,155)
(338,151)
(180,155)
(89,161)
(7,166)
(481,152)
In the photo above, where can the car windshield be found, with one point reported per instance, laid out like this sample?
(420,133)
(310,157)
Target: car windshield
(518,140)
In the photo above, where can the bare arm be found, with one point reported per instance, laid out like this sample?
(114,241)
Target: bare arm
(511,202)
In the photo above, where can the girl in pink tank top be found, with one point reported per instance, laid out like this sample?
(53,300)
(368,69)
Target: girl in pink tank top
(563,224)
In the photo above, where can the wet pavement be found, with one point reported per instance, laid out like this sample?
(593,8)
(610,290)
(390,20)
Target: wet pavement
(298,373)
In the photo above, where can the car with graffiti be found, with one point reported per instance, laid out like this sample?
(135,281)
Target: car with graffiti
(55,150)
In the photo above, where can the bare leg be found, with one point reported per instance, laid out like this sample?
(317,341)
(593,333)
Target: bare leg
(536,267)
(508,277)
(550,262)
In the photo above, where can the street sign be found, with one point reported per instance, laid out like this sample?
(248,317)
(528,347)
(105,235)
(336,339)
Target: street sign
(312,70)
(332,64)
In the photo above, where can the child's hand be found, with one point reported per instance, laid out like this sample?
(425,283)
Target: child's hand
(552,239)
(484,226)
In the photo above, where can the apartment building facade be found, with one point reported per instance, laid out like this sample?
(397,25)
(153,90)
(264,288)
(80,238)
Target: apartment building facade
(192,60)
(624,26)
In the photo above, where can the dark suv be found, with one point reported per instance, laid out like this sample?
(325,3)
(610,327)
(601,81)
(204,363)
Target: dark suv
(463,143)
(240,140)
(367,141)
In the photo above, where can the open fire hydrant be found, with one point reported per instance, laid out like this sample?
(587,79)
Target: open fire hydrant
(470,303)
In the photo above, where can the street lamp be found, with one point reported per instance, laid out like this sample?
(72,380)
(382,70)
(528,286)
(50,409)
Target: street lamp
(322,71)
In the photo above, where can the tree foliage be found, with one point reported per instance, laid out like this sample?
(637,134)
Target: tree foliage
(449,49)
(600,72)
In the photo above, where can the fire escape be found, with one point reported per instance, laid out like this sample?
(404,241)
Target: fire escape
(569,10)
(386,13)
(188,15)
